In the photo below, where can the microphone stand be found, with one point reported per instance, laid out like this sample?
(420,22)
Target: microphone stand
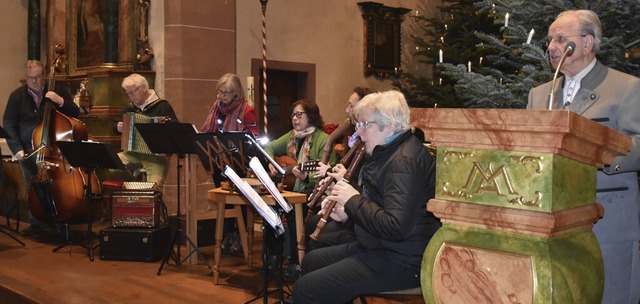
(568,50)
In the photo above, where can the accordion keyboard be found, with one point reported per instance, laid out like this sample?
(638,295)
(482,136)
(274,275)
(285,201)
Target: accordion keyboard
(138,185)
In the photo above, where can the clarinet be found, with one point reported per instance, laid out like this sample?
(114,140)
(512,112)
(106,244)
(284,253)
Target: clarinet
(352,168)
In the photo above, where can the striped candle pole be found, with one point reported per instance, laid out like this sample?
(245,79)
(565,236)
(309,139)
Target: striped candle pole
(264,63)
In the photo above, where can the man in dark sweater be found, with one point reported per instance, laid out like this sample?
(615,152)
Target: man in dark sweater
(25,110)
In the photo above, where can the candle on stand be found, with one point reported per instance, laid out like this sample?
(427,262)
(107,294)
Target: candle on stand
(250,90)
(440,55)
(506,20)
(530,36)
(469,66)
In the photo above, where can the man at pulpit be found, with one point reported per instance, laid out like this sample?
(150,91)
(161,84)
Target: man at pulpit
(611,98)
(391,223)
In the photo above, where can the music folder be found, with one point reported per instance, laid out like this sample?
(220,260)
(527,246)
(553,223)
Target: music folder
(269,215)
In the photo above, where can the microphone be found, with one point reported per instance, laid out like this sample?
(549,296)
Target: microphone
(568,50)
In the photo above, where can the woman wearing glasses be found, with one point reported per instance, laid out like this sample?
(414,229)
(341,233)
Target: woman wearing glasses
(230,110)
(391,223)
(303,143)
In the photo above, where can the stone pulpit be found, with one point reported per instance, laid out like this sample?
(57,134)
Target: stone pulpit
(516,193)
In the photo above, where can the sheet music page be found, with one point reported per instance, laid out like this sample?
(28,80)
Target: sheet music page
(258,203)
(263,176)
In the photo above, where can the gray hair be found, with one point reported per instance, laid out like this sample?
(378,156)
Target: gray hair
(590,24)
(231,82)
(389,109)
(136,80)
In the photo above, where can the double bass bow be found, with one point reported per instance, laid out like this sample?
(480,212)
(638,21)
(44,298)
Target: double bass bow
(58,189)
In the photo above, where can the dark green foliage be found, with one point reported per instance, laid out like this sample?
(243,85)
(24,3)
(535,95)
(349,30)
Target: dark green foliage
(510,67)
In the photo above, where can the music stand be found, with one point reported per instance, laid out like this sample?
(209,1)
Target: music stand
(90,156)
(173,138)
(4,134)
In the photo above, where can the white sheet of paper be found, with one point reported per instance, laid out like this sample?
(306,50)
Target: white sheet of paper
(263,176)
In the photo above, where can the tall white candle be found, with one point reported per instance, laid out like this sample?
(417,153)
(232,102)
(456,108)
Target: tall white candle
(530,36)
(469,66)
(506,20)
(440,55)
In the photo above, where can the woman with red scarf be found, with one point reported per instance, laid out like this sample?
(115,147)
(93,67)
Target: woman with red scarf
(230,111)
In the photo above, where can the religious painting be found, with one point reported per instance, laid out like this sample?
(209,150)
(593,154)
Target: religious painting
(90,36)
(382,38)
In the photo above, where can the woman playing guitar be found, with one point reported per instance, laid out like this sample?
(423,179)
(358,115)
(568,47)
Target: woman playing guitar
(305,142)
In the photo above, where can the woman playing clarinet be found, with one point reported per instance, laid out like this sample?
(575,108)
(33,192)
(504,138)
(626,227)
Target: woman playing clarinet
(391,223)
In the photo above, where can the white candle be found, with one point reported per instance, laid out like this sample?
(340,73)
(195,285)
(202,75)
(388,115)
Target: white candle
(250,90)
(530,36)
(469,66)
(506,20)
(440,55)
(480,63)
(250,82)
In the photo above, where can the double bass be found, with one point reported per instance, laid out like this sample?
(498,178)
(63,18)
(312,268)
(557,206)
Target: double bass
(57,189)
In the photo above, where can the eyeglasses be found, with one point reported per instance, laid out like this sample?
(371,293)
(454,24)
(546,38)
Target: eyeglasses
(224,93)
(133,91)
(364,124)
(559,39)
(297,114)
(34,78)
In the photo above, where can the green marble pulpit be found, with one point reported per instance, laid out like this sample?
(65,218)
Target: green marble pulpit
(516,193)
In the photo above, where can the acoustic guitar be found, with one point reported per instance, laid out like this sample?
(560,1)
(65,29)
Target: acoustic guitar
(288,163)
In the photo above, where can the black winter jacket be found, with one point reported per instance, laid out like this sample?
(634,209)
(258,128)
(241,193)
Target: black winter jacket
(390,215)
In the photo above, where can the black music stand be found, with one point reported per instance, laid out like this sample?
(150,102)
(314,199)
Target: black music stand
(89,156)
(4,134)
(173,138)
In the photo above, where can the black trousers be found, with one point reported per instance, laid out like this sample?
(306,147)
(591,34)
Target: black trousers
(333,233)
(340,273)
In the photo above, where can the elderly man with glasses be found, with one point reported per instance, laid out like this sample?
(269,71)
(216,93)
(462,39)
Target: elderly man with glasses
(611,98)
(145,101)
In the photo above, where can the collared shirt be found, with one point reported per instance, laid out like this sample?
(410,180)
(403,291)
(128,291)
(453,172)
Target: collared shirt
(37,97)
(392,137)
(152,97)
(572,84)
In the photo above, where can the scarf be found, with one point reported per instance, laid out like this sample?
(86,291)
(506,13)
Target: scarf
(303,154)
(232,112)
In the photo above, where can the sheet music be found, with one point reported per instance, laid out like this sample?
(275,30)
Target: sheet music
(263,176)
(258,203)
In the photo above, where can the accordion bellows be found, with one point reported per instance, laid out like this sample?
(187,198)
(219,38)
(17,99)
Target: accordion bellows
(131,138)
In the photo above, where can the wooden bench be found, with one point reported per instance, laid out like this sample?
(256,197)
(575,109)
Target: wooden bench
(411,296)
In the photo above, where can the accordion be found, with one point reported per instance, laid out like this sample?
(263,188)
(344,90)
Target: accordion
(136,208)
(131,138)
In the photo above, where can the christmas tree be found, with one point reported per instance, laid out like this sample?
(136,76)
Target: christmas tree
(495,66)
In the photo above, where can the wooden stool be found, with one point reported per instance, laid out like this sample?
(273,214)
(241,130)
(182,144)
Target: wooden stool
(411,296)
